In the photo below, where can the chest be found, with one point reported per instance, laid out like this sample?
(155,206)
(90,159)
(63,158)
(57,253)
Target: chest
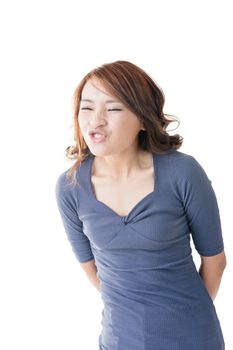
(122,196)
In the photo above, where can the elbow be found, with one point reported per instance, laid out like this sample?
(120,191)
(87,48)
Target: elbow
(221,268)
(222,261)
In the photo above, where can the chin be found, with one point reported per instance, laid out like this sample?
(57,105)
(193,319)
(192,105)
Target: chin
(103,152)
(99,152)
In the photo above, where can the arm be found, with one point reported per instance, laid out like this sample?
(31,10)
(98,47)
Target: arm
(203,218)
(90,270)
(211,271)
(68,208)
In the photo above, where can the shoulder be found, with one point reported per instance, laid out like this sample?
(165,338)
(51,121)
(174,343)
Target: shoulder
(62,181)
(181,158)
(187,176)
(66,186)
(185,173)
(184,165)
(65,181)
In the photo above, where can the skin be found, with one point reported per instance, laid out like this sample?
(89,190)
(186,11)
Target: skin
(119,156)
(211,271)
(120,159)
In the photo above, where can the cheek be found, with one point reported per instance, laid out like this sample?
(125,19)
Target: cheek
(125,124)
(83,128)
(81,123)
(130,128)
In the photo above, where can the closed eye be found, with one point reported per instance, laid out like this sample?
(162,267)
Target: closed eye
(112,109)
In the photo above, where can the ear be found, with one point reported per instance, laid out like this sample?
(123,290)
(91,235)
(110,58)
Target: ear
(143,128)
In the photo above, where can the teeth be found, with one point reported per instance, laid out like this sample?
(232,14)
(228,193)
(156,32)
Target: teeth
(97,136)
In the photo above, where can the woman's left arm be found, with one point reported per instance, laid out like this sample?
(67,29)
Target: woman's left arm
(203,218)
(211,271)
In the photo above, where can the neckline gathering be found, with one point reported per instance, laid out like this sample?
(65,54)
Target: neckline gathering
(99,202)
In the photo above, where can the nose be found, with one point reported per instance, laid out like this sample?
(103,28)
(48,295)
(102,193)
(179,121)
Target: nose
(97,119)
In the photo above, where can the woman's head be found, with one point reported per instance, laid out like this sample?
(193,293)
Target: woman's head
(141,101)
(104,114)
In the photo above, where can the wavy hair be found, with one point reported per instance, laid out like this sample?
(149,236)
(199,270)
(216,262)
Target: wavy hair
(141,95)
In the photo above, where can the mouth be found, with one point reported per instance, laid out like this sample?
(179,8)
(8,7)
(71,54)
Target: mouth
(97,137)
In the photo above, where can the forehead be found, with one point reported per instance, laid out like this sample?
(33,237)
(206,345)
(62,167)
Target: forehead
(96,89)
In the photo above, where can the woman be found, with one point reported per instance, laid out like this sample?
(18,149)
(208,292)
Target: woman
(129,206)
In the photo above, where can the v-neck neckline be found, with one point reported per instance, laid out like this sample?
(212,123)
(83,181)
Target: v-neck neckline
(121,217)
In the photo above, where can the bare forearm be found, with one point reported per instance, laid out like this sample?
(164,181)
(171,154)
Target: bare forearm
(211,271)
(211,280)
(94,280)
(90,270)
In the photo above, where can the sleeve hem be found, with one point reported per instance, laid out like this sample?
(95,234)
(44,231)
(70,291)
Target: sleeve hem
(211,252)
(86,260)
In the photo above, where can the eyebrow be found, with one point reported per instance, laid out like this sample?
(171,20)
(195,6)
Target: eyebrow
(108,101)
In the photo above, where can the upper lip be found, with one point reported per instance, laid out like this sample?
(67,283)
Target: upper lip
(96,131)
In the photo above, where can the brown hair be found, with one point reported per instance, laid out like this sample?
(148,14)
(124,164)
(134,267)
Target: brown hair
(141,95)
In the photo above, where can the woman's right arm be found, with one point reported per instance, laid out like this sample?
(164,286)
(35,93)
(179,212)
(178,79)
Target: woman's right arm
(74,228)
(90,270)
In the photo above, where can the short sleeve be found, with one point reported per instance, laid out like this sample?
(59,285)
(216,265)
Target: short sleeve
(67,207)
(201,208)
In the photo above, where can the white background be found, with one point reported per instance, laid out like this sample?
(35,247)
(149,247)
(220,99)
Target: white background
(46,48)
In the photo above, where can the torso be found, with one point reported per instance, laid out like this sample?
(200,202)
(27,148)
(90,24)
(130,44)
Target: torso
(121,196)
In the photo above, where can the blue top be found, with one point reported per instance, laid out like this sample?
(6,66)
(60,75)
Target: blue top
(153,295)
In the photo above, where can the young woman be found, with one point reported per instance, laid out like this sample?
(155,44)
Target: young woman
(129,205)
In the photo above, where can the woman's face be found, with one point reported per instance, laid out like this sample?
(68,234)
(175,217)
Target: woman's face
(103,112)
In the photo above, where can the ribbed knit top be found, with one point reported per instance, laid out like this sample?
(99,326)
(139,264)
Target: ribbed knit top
(153,295)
